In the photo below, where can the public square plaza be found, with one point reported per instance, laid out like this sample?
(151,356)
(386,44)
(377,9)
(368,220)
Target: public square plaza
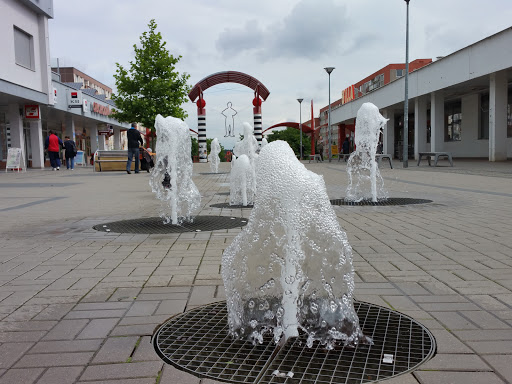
(79,306)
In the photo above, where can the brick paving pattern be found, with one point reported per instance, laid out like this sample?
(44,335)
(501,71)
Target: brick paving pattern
(79,306)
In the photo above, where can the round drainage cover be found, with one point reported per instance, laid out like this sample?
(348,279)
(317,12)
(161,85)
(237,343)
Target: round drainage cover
(213,173)
(227,205)
(197,342)
(388,201)
(155,225)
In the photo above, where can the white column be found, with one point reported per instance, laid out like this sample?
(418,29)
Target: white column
(70,126)
(37,144)
(117,138)
(94,139)
(388,143)
(420,126)
(498,116)
(16,127)
(101,143)
(436,121)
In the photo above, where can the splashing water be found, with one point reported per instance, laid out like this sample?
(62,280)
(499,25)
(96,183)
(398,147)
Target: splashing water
(171,178)
(242,188)
(365,181)
(213,157)
(291,267)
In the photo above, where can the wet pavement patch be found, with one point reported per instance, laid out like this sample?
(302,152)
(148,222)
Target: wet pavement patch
(155,225)
(197,342)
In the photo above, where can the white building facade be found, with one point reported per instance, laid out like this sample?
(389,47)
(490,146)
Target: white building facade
(460,103)
(33,100)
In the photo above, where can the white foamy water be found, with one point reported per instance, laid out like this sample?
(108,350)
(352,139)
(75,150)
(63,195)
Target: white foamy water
(291,267)
(365,180)
(171,178)
(213,157)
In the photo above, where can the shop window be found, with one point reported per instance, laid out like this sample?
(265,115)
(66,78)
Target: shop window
(453,121)
(24,49)
(3,136)
(483,129)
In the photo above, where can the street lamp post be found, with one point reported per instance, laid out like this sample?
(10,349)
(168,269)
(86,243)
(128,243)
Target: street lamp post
(300,126)
(405,151)
(329,132)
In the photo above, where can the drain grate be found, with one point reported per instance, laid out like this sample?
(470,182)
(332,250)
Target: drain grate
(388,201)
(213,173)
(154,225)
(227,205)
(197,342)
(223,193)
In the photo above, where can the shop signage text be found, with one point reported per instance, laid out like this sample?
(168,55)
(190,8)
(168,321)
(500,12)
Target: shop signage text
(347,94)
(32,112)
(101,109)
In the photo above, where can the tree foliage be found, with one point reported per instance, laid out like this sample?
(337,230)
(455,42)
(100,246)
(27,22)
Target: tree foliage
(292,137)
(151,85)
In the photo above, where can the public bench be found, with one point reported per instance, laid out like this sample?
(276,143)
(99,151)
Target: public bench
(381,156)
(315,157)
(436,156)
(111,160)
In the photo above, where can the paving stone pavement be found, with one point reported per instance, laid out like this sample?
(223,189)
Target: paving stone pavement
(79,306)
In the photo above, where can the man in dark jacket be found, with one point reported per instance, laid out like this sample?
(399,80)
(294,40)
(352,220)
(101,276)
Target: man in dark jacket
(134,138)
(70,154)
(53,144)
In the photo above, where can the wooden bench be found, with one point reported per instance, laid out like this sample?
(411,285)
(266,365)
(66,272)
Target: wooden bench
(380,157)
(315,157)
(436,155)
(111,160)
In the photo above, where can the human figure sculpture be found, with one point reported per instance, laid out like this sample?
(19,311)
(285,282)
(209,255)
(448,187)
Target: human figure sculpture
(365,180)
(229,115)
(171,177)
(291,267)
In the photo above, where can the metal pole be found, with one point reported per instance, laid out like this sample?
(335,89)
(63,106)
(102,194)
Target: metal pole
(329,132)
(300,126)
(405,154)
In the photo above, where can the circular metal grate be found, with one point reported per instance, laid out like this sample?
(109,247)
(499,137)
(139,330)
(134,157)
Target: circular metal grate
(213,173)
(227,205)
(388,201)
(197,342)
(154,225)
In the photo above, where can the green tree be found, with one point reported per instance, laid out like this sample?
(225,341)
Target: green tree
(151,85)
(292,137)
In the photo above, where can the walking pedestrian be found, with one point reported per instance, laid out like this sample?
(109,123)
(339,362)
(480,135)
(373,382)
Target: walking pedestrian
(134,138)
(53,144)
(70,153)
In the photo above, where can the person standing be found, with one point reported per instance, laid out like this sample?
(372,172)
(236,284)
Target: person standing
(346,147)
(70,153)
(321,147)
(134,138)
(53,144)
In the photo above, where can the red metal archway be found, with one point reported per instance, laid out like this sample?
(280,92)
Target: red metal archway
(196,95)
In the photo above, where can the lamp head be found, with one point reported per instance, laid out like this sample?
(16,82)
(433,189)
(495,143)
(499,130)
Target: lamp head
(329,69)
(300,100)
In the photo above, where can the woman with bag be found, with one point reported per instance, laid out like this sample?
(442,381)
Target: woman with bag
(70,147)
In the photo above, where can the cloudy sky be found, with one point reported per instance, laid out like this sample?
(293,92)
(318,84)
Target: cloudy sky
(285,44)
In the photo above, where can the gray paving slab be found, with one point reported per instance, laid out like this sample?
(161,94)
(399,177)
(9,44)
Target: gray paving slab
(77,305)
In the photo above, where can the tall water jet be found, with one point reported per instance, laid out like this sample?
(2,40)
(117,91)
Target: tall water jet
(171,178)
(365,180)
(213,157)
(242,188)
(291,267)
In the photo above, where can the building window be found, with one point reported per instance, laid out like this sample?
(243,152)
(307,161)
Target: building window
(399,72)
(483,129)
(453,121)
(24,49)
